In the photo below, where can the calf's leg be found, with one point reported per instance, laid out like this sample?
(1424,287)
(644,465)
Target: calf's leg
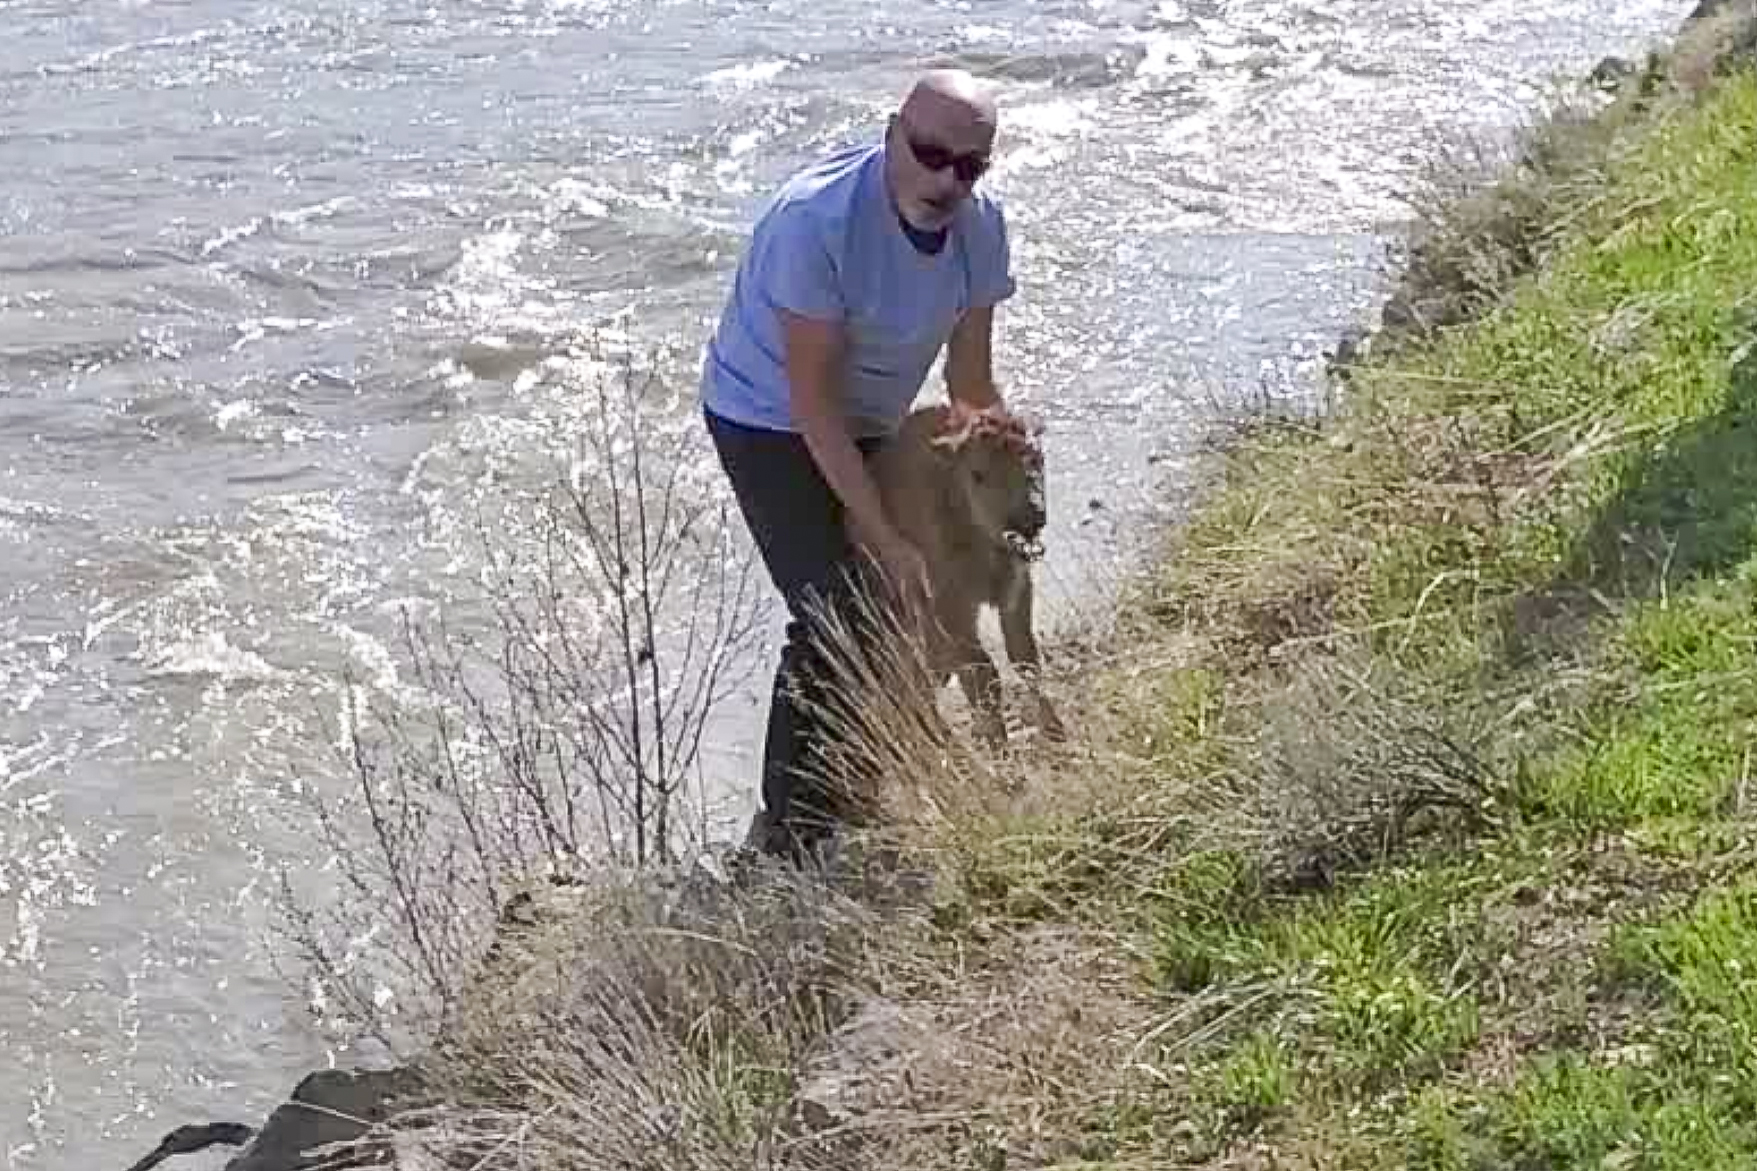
(977,674)
(1018,631)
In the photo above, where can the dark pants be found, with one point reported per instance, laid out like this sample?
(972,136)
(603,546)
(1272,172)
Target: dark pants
(796,521)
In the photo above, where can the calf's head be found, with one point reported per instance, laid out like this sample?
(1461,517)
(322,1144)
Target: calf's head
(996,466)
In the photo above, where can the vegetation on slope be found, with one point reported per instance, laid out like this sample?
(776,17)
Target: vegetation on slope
(1410,823)
(1527,546)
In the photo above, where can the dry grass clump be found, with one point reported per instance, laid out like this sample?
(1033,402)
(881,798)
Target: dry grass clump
(901,769)
(636,1024)
(1486,213)
(1039,832)
(1352,758)
(777,1021)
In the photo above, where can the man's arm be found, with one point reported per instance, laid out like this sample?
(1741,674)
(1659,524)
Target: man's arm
(800,279)
(813,352)
(809,303)
(970,349)
(970,360)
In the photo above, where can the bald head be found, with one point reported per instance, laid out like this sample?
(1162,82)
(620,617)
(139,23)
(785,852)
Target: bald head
(950,101)
(940,141)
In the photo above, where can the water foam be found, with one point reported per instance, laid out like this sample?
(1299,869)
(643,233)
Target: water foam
(748,75)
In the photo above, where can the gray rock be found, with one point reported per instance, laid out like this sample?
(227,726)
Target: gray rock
(1612,72)
(329,1106)
(196,1137)
(1708,10)
(861,1064)
(1733,40)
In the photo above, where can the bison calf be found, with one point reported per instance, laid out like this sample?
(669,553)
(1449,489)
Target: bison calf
(966,487)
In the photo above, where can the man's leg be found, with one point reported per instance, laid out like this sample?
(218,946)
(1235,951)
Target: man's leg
(797,524)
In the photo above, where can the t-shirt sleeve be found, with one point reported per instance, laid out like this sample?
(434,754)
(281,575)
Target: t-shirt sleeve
(798,272)
(991,262)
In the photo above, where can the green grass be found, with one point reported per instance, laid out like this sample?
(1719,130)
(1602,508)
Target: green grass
(1432,851)
(1684,1098)
(1671,731)
(1549,512)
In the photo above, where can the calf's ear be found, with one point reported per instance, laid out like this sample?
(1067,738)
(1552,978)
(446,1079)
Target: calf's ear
(953,433)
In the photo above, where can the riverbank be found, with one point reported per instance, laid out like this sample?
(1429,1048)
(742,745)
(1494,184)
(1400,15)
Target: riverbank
(1474,667)
(1475,664)
(1408,822)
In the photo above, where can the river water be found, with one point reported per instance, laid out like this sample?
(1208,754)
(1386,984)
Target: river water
(248,250)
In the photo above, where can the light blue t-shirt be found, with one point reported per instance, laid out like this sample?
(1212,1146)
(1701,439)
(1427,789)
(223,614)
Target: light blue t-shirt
(829,245)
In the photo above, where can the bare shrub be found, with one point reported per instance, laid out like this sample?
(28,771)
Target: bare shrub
(1351,754)
(569,734)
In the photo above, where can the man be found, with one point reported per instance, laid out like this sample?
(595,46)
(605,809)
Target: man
(862,267)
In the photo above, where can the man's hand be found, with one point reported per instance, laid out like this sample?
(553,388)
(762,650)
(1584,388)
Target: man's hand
(906,571)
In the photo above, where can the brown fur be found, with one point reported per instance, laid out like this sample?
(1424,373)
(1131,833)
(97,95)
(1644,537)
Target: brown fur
(953,480)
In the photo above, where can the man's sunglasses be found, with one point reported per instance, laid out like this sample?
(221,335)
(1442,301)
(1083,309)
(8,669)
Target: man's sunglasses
(968,167)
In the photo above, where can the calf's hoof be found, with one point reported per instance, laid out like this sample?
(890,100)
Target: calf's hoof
(992,731)
(1049,724)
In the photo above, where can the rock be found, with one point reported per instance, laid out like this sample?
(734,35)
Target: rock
(189,1140)
(329,1106)
(1708,10)
(1611,72)
(864,1065)
(842,1072)
(1716,38)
